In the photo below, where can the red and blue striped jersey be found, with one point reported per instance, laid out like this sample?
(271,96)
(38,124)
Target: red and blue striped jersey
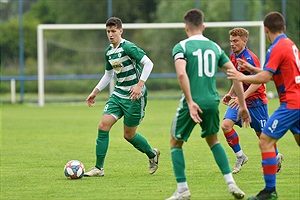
(283,61)
(258,97)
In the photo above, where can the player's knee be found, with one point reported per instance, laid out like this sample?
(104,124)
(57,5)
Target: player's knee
(103,126)
(226,128)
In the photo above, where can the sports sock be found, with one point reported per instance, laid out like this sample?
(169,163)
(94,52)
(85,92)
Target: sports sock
(269,165)
(221,158)
(183,186)
(178,164)
(229,178)
(101,147)
(141,144)
(232,139)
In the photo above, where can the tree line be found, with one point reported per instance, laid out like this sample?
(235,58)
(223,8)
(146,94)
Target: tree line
(132,11)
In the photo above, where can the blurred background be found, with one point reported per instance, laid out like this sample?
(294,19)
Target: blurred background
(74,60)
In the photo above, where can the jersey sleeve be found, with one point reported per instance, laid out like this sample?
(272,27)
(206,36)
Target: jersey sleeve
(107,64)
(133,51)
(273,58)
(223,58)
(178,52)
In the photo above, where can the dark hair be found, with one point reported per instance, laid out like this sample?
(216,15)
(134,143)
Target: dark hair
(274,21)
(194,18)
(114,21)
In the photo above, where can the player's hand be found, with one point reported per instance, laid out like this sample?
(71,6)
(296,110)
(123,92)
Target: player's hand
(233,74)
(235,103)
(226,99)
(91,99)
(135,92)
(194,112)
(244,115)
(244,64)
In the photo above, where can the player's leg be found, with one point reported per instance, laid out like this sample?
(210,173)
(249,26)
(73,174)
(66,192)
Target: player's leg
(181,129)
(140,143)
(269,165)
(102,142)
(178,163)
(259,117)
(223,164)
(111,113)
(232,138)
(134,112)
(282,120)
(210,128)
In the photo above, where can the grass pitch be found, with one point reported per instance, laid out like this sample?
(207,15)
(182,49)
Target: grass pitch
(37,142)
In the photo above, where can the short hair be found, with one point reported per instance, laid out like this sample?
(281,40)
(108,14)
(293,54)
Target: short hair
(274,21)
(194,18)
(239,32)
(114,21)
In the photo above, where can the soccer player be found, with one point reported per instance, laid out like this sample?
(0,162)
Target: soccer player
(129,98)
(197,60)
(255,96)
(283,66)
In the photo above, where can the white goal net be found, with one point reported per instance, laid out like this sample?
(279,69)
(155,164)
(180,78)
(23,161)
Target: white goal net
(154,37)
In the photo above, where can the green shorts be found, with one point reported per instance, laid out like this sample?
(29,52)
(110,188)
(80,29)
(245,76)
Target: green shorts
(183,124)
(133,111)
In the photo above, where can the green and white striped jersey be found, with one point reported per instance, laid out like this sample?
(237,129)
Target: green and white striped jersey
(203,58)
(125,61)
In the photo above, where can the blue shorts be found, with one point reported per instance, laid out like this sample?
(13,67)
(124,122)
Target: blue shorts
(282,120)
(259,116)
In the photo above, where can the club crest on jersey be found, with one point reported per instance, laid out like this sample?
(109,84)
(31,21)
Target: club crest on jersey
(117,67)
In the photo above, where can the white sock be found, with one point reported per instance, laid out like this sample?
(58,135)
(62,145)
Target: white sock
(239,153)
(183,186)
(229,178)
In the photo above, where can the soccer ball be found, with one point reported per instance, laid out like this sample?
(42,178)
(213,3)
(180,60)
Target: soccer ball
(74,169)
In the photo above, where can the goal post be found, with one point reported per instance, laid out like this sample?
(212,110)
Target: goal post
(42,27)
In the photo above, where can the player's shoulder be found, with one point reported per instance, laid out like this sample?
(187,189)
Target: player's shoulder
(126,43)
(250,56)
(108,48)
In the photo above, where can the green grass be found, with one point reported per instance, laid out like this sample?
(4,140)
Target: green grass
(37,142)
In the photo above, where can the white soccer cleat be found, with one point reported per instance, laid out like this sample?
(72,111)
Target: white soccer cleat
(94,172)
(279,158)
(240,161)
(153,162)
(186,195)
(235,191)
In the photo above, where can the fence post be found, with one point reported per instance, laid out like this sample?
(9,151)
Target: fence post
(13,91)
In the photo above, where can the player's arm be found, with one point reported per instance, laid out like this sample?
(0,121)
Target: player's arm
(259,78)
(180,66)
(227,97)
(104,81)
(238,88)
(251,89)
(135,92)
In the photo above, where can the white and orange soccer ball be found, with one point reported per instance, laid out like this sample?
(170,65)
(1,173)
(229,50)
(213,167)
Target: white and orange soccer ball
(74,169)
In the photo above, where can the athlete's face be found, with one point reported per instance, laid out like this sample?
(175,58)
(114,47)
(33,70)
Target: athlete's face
(114,35)
(237,44)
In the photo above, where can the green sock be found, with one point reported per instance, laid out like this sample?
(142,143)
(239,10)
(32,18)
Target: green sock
(101,147)
(141,144)
(178,164)
(221,158)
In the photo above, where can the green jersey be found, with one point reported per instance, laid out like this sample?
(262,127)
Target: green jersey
(125,61)
(203,58)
